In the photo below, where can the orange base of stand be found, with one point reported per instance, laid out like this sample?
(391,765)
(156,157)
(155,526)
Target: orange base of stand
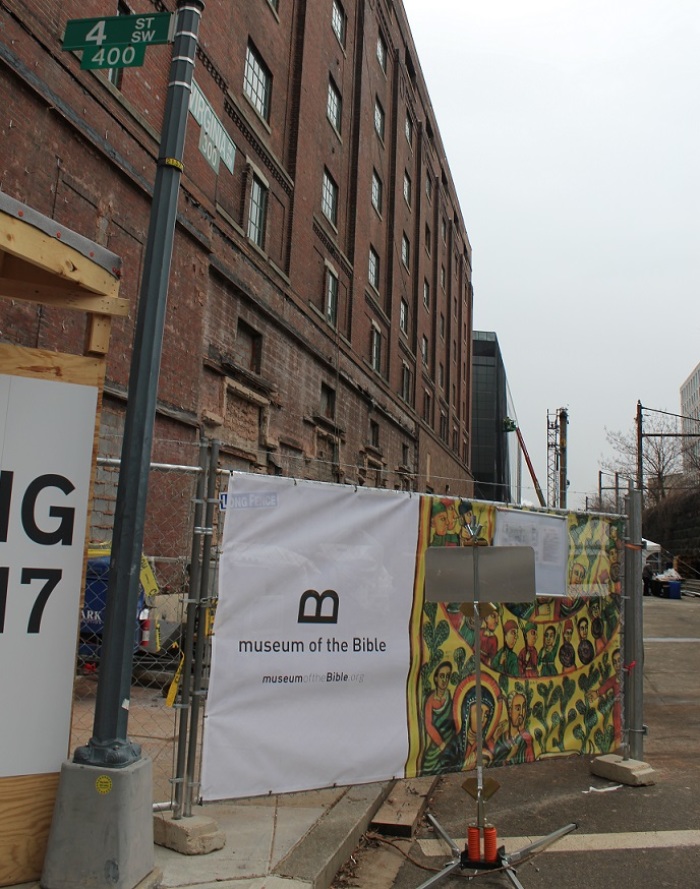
(474,845)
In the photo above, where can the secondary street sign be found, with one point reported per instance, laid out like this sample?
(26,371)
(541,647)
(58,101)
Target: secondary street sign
(119,30)
(113,57)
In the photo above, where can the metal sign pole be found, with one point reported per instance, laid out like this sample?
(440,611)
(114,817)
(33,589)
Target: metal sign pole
(109,745)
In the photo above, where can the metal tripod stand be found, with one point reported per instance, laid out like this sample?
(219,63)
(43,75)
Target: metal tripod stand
(447,579)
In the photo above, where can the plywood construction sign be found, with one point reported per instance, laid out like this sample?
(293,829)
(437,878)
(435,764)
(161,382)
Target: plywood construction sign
(49,412)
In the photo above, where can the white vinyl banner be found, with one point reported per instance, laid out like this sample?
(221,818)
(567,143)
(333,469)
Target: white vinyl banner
(311,647)
(46,440)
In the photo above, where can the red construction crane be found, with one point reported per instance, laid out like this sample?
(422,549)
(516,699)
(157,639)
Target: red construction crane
(511,426)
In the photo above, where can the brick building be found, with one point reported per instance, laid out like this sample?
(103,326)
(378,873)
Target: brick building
(319,318)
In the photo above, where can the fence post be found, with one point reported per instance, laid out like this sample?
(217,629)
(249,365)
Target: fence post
(202,604)
(634,628)
(188,641)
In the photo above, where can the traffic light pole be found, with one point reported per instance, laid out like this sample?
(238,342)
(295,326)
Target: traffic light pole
(102,829)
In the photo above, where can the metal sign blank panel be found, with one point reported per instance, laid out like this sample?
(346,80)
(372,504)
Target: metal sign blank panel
(504,574)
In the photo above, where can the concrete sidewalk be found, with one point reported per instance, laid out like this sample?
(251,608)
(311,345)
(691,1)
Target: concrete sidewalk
(281,840)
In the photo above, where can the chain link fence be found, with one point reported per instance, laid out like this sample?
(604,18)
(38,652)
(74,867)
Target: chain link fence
(173,541)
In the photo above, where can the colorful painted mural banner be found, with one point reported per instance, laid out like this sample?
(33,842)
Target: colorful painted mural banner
(330,668)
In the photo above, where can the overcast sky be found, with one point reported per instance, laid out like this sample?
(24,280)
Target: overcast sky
(572,131)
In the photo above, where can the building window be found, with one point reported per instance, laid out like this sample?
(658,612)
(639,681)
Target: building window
(405,250)
(376,349)
(428,187)
(257,212)
(443,425)
(116,75)
(441,375)
(403,316)
(442,326)
(328,401)
(248,347)
(427,406)
(426,294)
(408,130)
(405,382)
(338,21)
(257,82)
(443,229)
(377,192)
(275,4)
(331,297)
(424,349)
(442,276)
(379,119)
(374,268)
(374,434)
(407,188)
(334,106)
(329,198)
(381,52)
(428,239)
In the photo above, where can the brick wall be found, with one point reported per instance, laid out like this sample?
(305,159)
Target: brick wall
(83,152)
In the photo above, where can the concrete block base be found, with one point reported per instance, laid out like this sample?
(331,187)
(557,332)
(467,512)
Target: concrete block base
(196,835)
(102,830)
(623,771)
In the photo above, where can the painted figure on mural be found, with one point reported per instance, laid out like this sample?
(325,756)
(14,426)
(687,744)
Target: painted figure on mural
(585,650)
(506,660)
(607,695)
(440,534)
(548,653)
(597,626)
(467,523)
(469,733)
(567,653)
(489,640)
(528,655)
(514,743)
(439,723)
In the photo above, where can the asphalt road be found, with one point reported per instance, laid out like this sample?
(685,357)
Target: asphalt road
(627,836)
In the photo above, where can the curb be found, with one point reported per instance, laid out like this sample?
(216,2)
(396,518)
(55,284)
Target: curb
(317,858)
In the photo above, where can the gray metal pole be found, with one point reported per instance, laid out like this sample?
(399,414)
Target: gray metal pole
(188,642)
(634,628)
(202,605)
(109,745)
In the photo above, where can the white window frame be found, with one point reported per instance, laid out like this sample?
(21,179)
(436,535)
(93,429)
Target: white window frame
(381,52)
(257,82)
(329,198)
(377,192)
(408,129)
(334,106)
(379,118)
(257,211)
(332,288)
(403,316)
(376,348)
(339,21)
(405,250)
(373,268)
(407,188)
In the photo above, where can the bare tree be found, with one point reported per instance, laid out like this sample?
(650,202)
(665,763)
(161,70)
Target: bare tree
(662,452)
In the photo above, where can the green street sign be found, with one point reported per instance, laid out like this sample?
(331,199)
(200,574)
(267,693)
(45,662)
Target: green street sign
(113,57)
(118,30)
